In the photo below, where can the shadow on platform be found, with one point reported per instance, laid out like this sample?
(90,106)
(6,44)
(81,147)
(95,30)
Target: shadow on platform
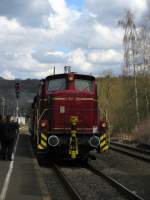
(24,146)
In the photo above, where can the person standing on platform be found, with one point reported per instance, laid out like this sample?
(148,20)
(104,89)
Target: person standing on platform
(10,134)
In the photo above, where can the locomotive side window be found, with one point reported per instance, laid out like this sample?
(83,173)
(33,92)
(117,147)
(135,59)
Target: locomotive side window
(57,84)
(83,85)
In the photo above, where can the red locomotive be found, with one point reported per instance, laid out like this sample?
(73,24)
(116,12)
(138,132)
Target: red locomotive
(65,118)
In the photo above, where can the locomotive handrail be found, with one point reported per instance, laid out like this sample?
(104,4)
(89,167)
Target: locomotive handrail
(42,114)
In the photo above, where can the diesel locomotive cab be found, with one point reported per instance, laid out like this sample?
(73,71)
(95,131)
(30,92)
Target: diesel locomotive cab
(67,120)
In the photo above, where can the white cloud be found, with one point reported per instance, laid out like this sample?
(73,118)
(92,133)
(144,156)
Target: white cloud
(107,37)
(78,59)
(137,6)
(7,75)
(28,13)
(42,74)
(61,17)
(49,56)
(109,11)
(105,57)
(46,33)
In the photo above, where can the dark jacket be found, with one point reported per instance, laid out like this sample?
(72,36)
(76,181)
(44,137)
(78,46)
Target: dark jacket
(10,130)
(1,130)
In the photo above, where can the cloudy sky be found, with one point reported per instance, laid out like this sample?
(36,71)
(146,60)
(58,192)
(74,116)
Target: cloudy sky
(36,35)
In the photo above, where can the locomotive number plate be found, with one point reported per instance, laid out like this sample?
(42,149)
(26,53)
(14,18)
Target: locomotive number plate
(62,109)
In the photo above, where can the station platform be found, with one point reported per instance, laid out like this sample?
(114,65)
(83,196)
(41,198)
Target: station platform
(25,181)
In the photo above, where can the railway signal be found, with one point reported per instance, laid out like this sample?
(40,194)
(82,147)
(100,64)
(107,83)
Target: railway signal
(17,90)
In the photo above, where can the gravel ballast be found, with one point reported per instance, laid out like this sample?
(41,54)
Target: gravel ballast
(131,172)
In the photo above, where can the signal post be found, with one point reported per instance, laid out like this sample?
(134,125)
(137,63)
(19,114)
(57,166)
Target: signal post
(17,91)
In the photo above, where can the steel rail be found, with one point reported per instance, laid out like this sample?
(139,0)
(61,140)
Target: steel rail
(143,151)
(67,183)
(145,146)
(120,188)
(131,152)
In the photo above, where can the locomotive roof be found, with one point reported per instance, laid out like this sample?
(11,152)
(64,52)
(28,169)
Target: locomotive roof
(76,75)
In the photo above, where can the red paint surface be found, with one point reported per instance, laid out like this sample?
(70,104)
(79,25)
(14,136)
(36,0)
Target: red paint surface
(84,106)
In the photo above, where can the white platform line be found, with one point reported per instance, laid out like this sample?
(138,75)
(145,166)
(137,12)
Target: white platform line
(8,176)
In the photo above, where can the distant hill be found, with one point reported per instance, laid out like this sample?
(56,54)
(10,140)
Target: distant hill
(28,91)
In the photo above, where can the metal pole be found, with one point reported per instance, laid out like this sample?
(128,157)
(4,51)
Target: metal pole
(17,110)
(3,109)
(3,106)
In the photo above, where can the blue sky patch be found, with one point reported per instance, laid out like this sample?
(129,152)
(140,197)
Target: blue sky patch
(77,4)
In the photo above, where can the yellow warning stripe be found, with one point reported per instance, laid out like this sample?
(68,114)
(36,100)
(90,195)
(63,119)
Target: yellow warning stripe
(105,148)
(103,137)
(103,144)
(43,136)
(43,143)
(40,146)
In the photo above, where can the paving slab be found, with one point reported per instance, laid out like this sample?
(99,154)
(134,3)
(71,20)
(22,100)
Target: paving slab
(4,165)
(24,182)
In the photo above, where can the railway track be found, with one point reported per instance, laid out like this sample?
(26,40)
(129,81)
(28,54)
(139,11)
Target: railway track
(68,176)
(67,183)
(131,151)
(124,191)
(144,146)
(118,186)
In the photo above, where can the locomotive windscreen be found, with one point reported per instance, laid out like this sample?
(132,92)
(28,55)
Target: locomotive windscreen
(57,84)
(83,85)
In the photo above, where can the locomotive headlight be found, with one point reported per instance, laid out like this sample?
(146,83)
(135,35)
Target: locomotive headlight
(103,125)
(44,124)
(71,78)
(94,141)
(95,129)
(53,140)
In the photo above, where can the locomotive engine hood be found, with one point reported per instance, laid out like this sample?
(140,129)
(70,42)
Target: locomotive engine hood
(61,107)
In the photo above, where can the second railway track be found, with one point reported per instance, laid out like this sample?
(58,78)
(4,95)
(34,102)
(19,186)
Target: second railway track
(119,187)
(131,151)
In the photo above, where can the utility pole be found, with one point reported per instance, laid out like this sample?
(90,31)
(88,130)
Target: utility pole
(3,107)
(54,70)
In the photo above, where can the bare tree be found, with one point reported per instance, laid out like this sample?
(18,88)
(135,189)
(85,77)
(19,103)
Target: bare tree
(130,50)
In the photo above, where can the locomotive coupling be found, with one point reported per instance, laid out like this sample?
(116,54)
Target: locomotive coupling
(73,144)
(73,121)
